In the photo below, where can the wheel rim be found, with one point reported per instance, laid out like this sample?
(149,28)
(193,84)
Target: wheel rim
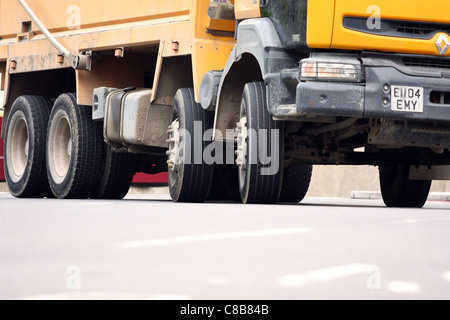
(19,148)
(175,153)
(242,149)
(62,147)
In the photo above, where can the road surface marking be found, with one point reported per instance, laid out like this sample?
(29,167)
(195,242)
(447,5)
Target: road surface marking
(209,237)
(107,296)
(446,275)
(327,274)
(412,221)
(404,287)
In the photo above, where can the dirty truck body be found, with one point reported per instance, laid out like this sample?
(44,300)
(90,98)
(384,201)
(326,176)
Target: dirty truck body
(236,99)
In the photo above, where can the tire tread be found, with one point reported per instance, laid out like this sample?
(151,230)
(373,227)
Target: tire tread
(34,183)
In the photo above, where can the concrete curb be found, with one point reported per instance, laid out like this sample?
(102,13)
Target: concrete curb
(439,196)
(366,195)
(3,187)
(369,195)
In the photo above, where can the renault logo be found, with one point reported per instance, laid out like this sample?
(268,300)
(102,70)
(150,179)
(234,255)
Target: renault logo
(443,44)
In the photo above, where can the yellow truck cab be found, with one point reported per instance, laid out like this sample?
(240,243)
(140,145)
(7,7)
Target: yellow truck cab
(235,99)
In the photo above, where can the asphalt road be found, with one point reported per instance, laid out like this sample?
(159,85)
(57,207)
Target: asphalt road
(155,249)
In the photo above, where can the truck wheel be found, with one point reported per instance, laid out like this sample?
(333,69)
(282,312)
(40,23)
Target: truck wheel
(118,172)
(26,131)
(75,150)
(231,181)
(218,191)
(259,137)
(296,181)
(189,176)
(400,192)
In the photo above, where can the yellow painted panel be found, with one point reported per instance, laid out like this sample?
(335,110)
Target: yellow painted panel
(413,10)
(390,44)
(320,23)
(221,25)
(246,9)
(435,11)
(207,56)
(3,53)
(60,15)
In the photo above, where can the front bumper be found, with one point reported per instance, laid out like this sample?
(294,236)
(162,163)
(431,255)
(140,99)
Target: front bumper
(365,100)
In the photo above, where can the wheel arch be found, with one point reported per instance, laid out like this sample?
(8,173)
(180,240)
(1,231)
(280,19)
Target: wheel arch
(258,52)
(241,72)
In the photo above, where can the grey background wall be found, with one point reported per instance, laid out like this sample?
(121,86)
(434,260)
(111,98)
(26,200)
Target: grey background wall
(341,181)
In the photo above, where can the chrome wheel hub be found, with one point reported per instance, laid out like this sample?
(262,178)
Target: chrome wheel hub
(242,144)
(174,153)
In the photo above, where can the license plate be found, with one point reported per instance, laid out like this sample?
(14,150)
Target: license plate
(406,99)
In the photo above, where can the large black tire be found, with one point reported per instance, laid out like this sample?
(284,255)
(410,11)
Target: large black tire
(231,181)
(296,181)
(225,185)
(26,131)
(118,172)
(75,150)
(400,192)
(218,191)
(190,177)
(259,183)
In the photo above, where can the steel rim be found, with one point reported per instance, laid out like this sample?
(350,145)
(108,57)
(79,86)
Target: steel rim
(62,147)
(175,152)
(19,148)
(242,149)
